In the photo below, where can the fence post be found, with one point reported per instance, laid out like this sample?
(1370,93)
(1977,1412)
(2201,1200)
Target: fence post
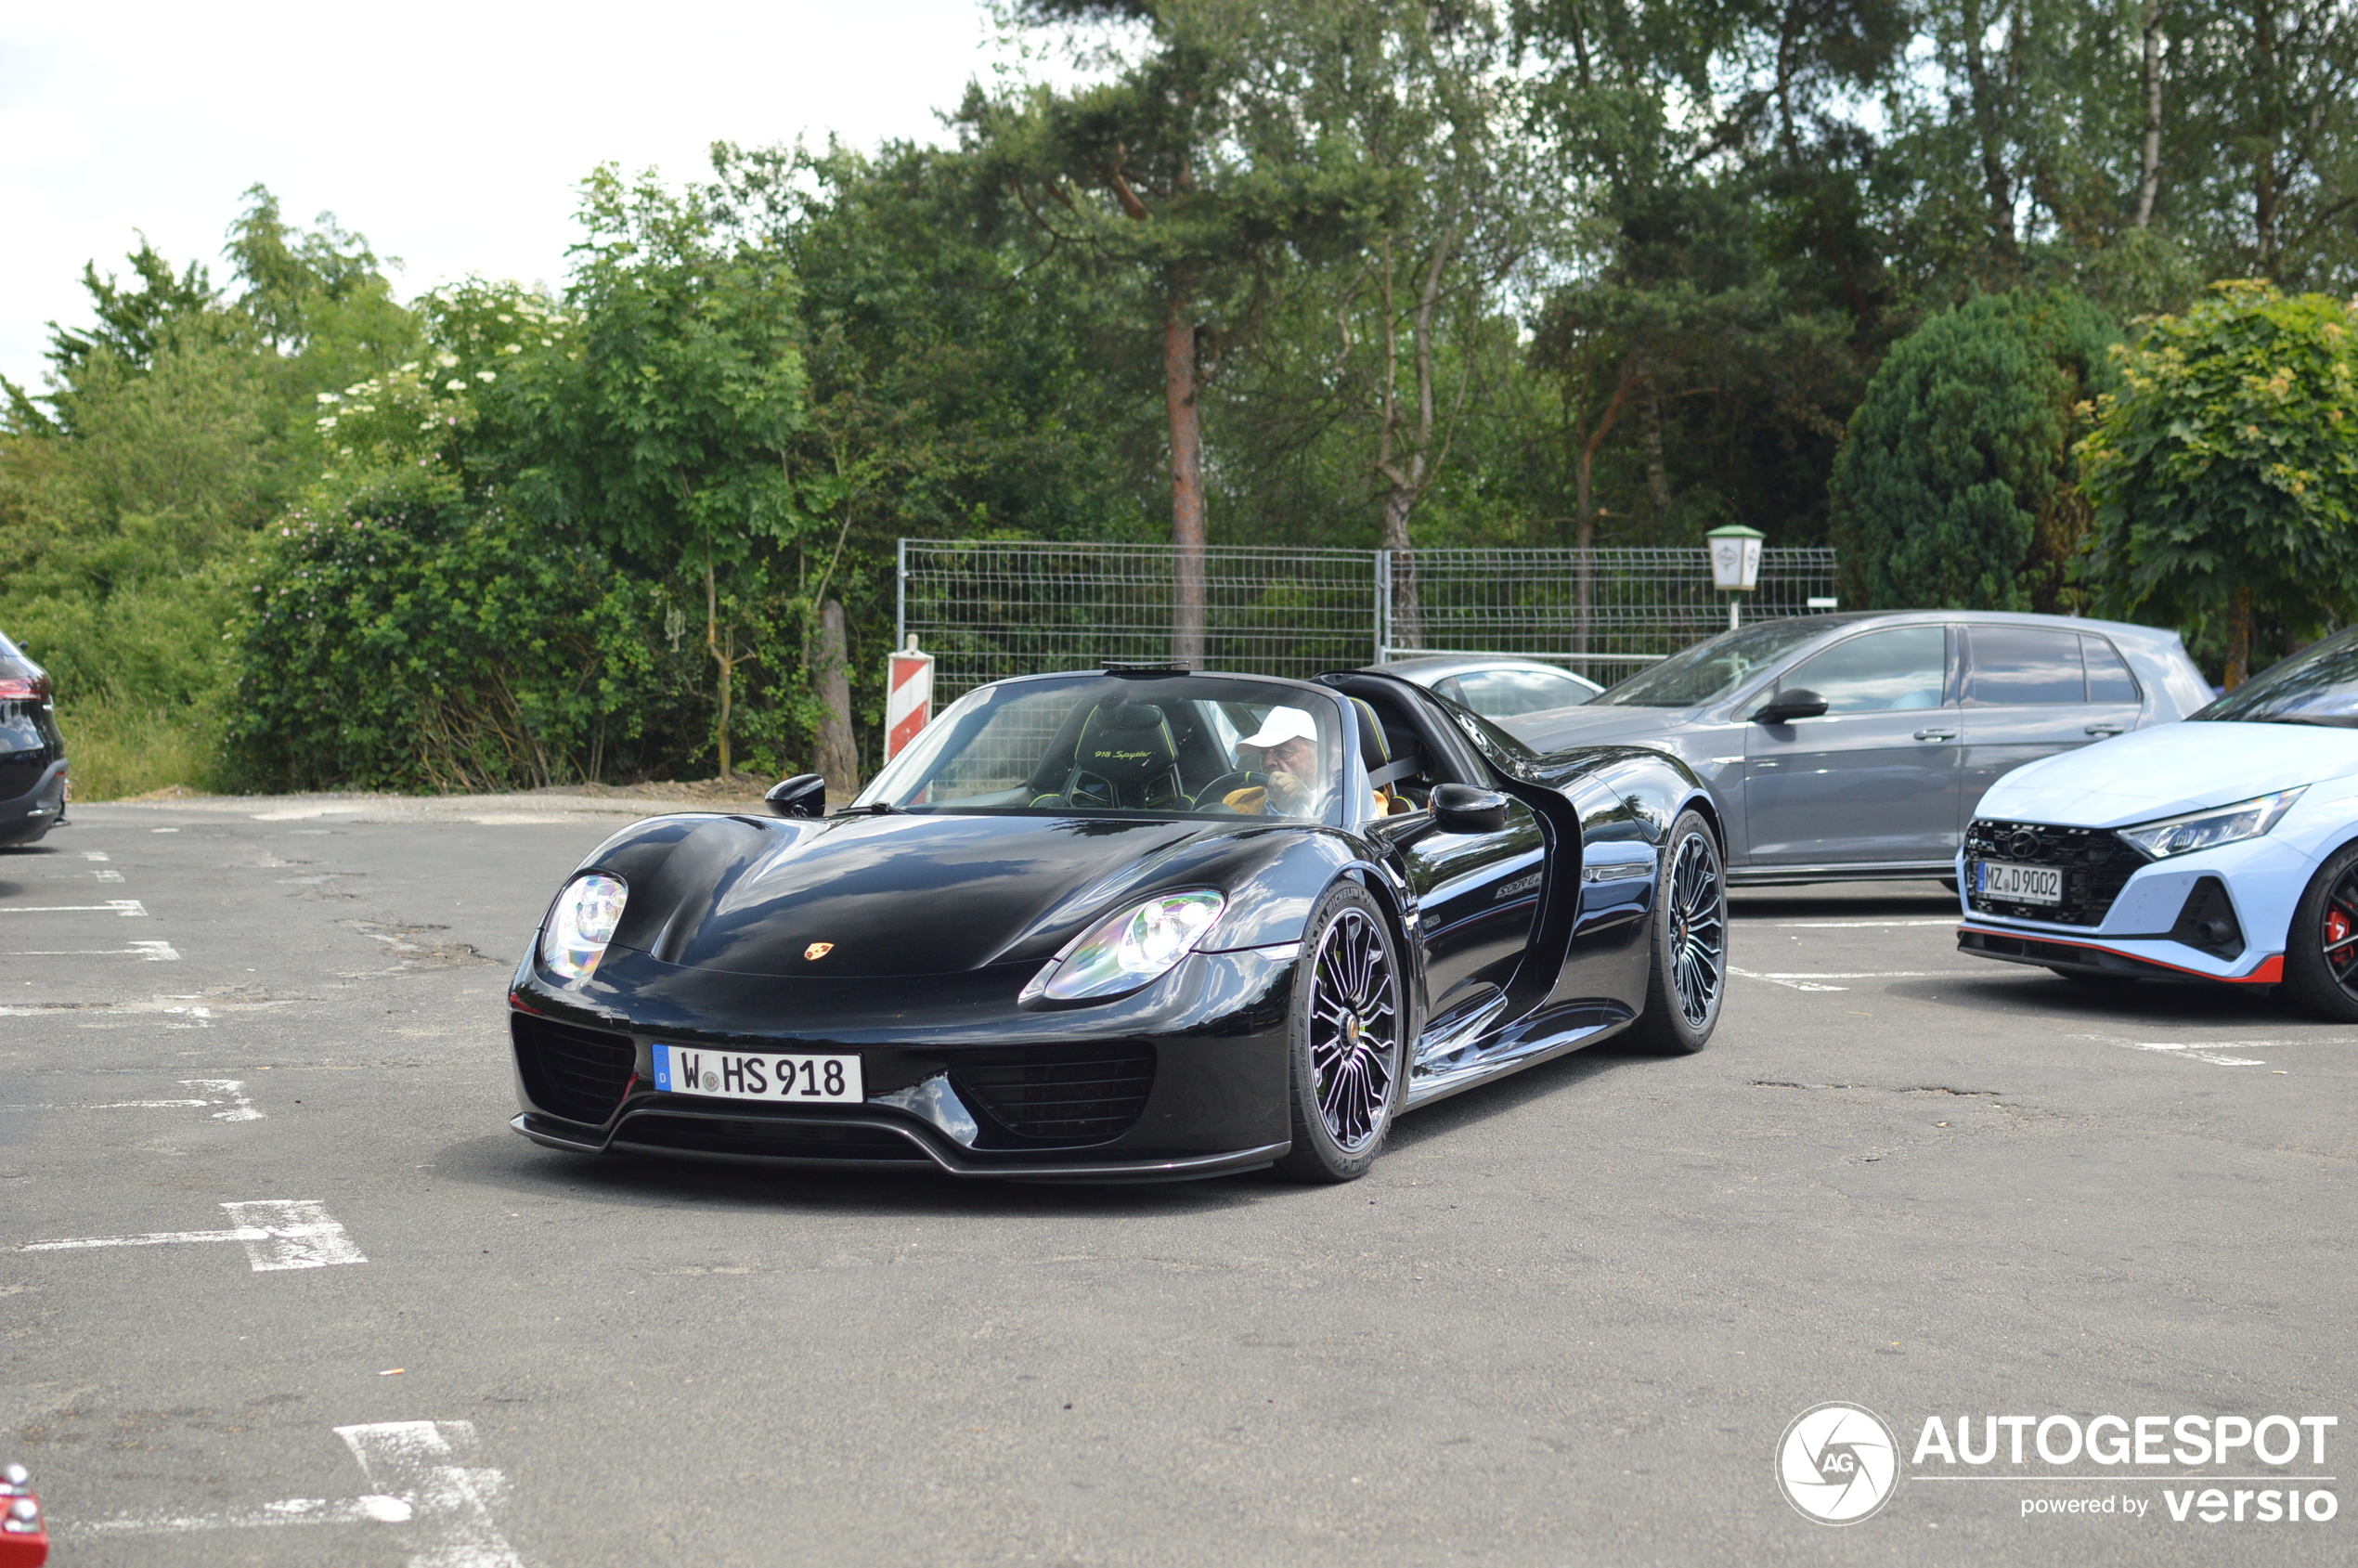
(900,599)
(1383,604)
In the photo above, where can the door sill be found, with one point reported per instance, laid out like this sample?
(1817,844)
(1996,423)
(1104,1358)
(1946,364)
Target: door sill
(1864,871)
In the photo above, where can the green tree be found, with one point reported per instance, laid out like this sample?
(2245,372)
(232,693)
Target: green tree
(2224,472)
(1957,489)
(664,428)
(1194,171)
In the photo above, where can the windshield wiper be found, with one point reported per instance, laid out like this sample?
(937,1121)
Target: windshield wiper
(2322,720)
(873,809)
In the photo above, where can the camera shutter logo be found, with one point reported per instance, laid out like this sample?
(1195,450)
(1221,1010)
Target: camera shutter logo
(1838,1464)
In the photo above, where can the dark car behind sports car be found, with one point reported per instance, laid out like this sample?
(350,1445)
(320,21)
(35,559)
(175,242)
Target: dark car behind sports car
(33,751)
(1143,923)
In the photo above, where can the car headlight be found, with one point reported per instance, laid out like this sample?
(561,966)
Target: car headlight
(1140,944)
(2208,830)
(581,924)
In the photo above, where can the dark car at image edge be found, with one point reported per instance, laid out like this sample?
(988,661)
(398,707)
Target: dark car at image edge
(33,751)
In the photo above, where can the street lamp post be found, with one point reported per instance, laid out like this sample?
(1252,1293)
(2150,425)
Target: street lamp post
(1735,562)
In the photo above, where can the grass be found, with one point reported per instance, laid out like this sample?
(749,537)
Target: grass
(117,749)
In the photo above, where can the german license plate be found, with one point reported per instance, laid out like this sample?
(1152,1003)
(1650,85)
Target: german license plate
(2018,884)
(737,1075)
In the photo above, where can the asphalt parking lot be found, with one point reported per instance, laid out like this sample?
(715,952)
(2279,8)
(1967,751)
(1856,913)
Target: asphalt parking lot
(320,1306)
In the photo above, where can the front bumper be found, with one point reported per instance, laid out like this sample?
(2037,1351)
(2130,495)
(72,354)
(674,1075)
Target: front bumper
(1214,1032)
(2153,926)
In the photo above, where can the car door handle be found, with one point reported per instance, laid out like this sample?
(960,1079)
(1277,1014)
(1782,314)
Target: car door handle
(2102,730)
(1935,734)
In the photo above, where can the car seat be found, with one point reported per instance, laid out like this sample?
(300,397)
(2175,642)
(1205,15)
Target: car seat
(1123,758)
(1375,754)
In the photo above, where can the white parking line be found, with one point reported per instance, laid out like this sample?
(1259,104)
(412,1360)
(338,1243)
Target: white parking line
(107,874)
(1817,982)
(94,854)
(1882,975)
(160,951)
(2200,1050)
(291,1511)
(1788,981)
(220,1090)
(130,907)
(278,1234)
(446,1505)
(197,1015)
(1855,924)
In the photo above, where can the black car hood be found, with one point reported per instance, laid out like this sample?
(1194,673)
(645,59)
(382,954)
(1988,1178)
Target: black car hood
(897,895)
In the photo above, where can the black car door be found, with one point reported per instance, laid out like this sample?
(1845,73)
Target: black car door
(1475,894)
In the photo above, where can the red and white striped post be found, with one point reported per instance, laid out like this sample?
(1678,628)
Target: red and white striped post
(908,697)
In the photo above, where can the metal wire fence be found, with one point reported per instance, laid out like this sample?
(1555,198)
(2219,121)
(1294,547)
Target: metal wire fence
(1601,611)
(990,610)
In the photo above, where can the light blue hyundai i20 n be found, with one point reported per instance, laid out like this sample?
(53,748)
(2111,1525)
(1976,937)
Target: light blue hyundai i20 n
(2224,848)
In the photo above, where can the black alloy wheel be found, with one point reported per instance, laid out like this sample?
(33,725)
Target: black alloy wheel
(1689,947)
(2321,951)
(1347,1044)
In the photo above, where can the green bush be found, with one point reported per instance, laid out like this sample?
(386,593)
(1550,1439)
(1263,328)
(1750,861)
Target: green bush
(1956,489)
(413,639)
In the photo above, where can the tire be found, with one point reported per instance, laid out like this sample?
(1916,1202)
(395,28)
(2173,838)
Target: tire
(2319,977)
(1687,972)
(1346,1048)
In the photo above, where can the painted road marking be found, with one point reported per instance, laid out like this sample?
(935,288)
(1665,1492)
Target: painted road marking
(130,907)
(446,1505)
(163,952)
(94,854)
(196,1013)
(1817,982)
(1855,925)
(107,874)
(291,1511)
(278,1235)
(2200,1050)
(230,1092)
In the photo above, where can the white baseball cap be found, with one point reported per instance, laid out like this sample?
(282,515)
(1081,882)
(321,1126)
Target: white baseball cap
(1283,724)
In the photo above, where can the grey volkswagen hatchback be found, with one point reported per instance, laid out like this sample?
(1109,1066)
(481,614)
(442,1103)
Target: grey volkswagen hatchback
(1857,745)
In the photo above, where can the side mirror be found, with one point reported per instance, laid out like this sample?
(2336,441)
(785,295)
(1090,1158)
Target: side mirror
(805,794)
(1785,706)
(1463,808)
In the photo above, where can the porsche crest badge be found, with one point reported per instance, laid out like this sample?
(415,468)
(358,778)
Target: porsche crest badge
(818,949)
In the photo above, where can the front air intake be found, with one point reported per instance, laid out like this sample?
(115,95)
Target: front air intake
(1058,1093)
(580,1074)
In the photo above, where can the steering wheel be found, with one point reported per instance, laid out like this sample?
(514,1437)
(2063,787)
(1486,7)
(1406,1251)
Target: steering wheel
(1212,795)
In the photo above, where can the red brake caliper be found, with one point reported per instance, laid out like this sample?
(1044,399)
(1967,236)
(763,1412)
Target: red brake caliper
(2338,929)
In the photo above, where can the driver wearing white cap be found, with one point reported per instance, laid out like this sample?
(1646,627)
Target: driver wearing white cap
(1285,750)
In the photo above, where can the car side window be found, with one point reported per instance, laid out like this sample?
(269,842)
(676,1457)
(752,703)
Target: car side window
(1905,667)
(1503,694)
(2109,679)
(2025,664)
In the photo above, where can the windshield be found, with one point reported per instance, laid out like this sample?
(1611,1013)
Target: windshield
(1170,746)
(2318,685)
(1713,669)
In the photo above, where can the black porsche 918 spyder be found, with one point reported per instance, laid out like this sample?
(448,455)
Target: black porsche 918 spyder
(1142,923)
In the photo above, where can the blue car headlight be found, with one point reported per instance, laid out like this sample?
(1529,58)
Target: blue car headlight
(1120,954)
(581,924)
(2208,830)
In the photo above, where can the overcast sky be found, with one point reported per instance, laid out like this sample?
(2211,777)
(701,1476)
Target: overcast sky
(452,134)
